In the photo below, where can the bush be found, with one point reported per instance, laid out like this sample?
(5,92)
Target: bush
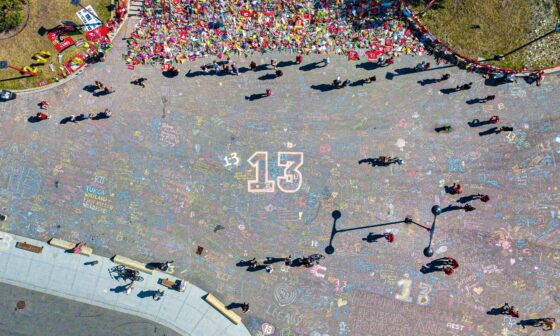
(11,14)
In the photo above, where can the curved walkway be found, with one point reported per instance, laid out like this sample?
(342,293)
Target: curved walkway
(64,274)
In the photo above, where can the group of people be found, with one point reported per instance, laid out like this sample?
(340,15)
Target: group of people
(178,30)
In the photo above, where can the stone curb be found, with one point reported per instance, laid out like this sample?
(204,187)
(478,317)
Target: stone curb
(77,73)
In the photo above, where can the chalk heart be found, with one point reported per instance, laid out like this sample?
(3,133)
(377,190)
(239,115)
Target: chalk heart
(341,302)
(478,290)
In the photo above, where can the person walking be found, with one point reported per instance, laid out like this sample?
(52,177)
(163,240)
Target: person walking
(216,67)
(42,116)
(279,73)
(99,85)
(245,307)
(140,82)
(370,79)
(511,310)
(288,260)
(549,323)
(483,198)
(467,207)
(327,61)
(273,64)
(389,236)
(299,58)
(78,248)
(504,129)
(456,189)
(254,263)
(43,105)
(130,287)
(157,295)
(253,66)
(448,270)
(268,92)
(464,87)
(494,119)
(444,77)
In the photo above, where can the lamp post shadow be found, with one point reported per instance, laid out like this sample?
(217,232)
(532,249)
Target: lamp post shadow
(337,214)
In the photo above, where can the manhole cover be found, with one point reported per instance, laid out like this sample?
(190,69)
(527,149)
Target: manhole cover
(20,305)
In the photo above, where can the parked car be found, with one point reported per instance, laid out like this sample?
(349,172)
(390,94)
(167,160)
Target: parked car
(6,95)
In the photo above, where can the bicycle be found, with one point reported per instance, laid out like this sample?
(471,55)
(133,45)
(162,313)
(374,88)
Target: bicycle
(127,273)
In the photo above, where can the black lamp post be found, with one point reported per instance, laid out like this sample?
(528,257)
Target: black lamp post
(436,211)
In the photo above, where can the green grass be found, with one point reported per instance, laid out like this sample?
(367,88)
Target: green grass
(504,25)
(19,49)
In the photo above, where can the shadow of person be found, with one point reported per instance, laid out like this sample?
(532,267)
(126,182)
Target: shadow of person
(428,81)
(255,96)
(192,74)
(368,66)
(283,64)
(450,208)
(243,263)
(477,123)
(449,90)
(119,289)
(489,131)
(466,199)
(498,311)
(33,119)
(405,71)
(90,88)
(433,266)
(530,323)
(146,293)
(389,75)
(273,260)
(374,162)
(359,82)
(311,66)
(234,305)
(323,87)
(441,129)
(65,120)
(475,101)
(100,93)
(449,190)
(267,77)
(373,237)
(100,116)
(256,268)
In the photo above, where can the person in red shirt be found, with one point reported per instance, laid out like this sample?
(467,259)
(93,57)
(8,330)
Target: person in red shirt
(42,116)
(456,188)
(43,105)
(494,120)
(268,92)
(390,237)
(448,270)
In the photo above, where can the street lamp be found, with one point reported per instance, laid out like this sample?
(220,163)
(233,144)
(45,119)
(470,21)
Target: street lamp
(436,211)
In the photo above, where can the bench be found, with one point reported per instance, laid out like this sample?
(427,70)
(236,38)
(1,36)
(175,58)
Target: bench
(219,306)
(88,251)
(29,247)
(168,283)
(132,264)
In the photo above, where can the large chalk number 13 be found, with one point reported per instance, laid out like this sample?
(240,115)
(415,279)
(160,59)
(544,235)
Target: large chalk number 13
(289,182)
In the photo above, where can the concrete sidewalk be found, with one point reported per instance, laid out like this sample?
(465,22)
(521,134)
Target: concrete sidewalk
(64,274)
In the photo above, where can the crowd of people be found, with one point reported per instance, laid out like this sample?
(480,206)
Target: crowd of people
(177,30)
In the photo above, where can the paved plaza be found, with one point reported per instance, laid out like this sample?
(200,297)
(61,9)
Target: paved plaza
(190,161)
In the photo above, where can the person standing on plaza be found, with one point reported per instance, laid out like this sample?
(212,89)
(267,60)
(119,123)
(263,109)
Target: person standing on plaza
(42,116)
(253,66)
(43,105)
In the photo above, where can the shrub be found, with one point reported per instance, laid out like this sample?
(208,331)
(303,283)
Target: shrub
(11,14)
